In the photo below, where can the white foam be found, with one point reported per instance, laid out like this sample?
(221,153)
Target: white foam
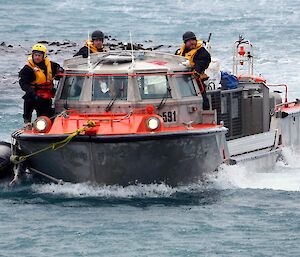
(87,190)
(285,176)
(291,157)
(114,191)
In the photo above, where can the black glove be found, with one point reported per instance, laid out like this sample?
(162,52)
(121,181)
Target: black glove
(198,75)
(60,70)
(59,73)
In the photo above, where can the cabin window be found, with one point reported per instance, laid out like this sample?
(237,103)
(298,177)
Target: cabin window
(72,88)
(153,87)
(186,85)
(110,87)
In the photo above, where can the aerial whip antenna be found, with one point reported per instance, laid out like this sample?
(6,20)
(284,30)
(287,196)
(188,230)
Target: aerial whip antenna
(209,37)
(89,53)
(132,56)
(207,43)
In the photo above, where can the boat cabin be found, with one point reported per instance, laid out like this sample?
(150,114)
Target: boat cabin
(118,82)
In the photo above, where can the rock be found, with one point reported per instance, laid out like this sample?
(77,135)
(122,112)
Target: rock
(65,43)
(43,42)
(53,44)
(110,44)
(3,44)
(156,47)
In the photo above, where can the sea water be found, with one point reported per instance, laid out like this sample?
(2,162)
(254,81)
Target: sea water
(237,212)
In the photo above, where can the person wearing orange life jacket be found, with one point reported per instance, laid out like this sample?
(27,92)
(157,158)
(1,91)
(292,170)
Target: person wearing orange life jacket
(36,79)
(94,45)
(199,59)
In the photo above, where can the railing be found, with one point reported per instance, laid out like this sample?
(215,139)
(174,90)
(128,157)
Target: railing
(125,74)
(286,90)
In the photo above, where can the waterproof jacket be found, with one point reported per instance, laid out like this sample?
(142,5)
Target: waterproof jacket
(199,57)
(29,80)
(84,51)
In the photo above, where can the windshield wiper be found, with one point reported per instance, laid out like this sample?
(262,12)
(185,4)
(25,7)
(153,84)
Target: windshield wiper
(112,101)
(164,99)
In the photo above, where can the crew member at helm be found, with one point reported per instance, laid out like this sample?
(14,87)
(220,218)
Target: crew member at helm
(94,45)
(36,79)
(199,59)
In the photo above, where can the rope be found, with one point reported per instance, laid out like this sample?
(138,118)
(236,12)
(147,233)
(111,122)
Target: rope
(124,117)
(58,181)
(55,146)
(63,113)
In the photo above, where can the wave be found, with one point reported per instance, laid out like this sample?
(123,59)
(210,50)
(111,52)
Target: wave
(82,190)
(285,176)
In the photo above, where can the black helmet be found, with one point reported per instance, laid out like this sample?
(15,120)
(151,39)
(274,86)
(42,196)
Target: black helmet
(97,35)
(188,35)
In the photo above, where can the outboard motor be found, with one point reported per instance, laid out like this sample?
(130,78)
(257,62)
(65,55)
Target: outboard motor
(6,167)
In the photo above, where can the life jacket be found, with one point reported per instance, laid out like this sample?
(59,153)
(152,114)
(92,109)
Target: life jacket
(43,83)
(190,55)
(93,49)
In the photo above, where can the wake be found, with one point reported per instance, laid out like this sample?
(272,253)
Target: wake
(285,176)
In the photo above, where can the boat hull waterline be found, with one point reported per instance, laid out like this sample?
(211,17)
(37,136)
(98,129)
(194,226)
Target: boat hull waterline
(170,158)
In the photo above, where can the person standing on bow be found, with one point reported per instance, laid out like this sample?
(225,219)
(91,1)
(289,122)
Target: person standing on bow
(199,59)
(94,45)
(36,79)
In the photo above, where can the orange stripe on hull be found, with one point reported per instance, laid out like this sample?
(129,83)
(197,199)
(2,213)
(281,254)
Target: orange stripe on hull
(116,124)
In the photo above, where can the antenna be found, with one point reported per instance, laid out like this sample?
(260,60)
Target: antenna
(132,56)
(207,43)
(209,37)
(89,53)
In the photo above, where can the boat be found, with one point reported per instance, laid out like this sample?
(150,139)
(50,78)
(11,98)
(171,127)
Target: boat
(128,117)
(260,122)
(5,163)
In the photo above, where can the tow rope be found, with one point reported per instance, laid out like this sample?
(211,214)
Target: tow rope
(55,146)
